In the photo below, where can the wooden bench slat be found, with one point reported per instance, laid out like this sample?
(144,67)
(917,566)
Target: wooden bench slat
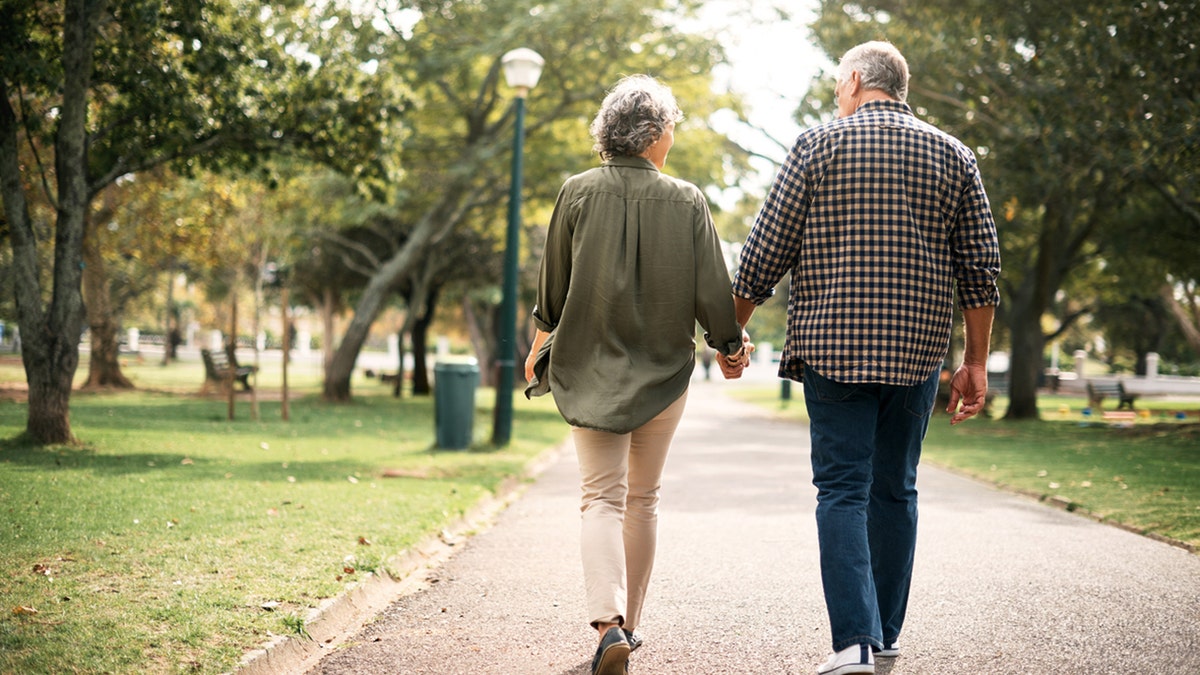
(217,369)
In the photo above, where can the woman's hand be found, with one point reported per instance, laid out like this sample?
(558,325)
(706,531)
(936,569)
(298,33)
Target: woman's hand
(529,361)
(539,339)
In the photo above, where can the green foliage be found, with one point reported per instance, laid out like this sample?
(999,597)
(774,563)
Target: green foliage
(449,204)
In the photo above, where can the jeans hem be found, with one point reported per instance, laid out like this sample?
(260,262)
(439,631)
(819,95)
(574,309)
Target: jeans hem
(857,640)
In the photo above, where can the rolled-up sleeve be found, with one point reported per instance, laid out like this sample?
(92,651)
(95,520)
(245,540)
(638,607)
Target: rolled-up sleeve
(772,248)
(714,304)
(976,249)
(555,276)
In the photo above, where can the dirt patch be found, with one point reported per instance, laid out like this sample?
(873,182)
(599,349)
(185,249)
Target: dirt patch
(1180,429)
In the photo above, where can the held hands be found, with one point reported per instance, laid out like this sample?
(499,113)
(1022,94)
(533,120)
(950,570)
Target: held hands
(968,387)
(732,365)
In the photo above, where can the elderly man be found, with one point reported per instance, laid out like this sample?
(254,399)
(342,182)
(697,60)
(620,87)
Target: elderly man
(881,219)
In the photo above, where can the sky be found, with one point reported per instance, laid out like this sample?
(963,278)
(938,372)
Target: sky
(772,62)
(771,65)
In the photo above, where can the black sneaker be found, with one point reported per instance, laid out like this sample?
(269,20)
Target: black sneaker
(633,639)
(612,655)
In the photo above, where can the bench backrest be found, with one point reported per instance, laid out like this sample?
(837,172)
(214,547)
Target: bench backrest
(216,364)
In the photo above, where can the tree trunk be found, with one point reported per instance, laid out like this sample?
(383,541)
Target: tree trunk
(1058,245)
(434,223)
(50,375)
(1188,322)
(374,296)
(420,344)
(398,383)
(483,339)
(327,306)
(104,366)
(171,334)
(1025,365)
(50,334)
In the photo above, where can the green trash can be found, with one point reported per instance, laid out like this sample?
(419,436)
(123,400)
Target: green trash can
(454,383)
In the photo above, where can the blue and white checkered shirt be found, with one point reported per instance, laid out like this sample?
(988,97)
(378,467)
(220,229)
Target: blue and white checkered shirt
(880,218)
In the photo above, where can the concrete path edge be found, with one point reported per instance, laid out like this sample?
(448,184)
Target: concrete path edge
(335,619)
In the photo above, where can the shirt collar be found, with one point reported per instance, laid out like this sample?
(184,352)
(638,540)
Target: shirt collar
(634,162)
(884,106)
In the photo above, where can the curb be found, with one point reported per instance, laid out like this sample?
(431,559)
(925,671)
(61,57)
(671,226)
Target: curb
(1064,504)
(338,618)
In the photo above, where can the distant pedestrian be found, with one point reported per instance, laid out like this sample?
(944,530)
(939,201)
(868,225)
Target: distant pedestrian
(632,261)
(881,219)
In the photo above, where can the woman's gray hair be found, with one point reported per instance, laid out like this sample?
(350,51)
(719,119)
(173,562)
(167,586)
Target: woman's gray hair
(633,116)
(880,66)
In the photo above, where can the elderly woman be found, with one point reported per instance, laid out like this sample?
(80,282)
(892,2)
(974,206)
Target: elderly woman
(632,262)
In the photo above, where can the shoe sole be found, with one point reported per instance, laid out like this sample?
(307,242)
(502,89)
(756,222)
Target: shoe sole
(887,653)
(850,669)
(613,659)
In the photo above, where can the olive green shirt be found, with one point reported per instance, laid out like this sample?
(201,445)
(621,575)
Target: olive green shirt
(632,262)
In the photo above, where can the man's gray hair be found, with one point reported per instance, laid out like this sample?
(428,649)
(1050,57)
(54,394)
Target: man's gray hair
(633,116)
(880,66)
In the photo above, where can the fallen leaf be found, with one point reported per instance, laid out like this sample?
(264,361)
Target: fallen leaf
(363,541)
(270,606)
(405,473)
(352,479)
(187,461)
(348,569)
(23,609)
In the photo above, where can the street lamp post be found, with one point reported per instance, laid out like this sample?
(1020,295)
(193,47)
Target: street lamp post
(522,68)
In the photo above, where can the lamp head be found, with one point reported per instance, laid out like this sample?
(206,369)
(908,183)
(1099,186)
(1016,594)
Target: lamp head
(522,69)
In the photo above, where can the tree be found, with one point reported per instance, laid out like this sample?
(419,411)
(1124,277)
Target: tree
(121,86)
(50,334)
(454,167)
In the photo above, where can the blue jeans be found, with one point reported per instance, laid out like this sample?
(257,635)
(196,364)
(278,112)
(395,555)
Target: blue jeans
(866,442)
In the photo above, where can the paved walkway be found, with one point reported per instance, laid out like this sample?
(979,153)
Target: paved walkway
(1002,584)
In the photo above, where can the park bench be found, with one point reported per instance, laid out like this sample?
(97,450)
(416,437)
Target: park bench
(221,367)
(1098,391)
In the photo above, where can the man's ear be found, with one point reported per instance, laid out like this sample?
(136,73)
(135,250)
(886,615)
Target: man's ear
(854,83)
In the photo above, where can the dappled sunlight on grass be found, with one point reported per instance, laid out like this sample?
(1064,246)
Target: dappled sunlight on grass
(161,538)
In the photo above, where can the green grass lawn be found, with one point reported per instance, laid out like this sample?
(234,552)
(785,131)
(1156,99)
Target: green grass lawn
(1144,474)
(156,544)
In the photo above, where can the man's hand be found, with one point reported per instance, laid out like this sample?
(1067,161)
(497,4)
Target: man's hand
(732,365)
(968,387)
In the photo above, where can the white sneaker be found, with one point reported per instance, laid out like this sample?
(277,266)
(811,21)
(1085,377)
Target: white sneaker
(889,651)
(852,659)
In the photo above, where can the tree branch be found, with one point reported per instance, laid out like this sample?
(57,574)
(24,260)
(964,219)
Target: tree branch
(37,157)
(1185,208)
(349,245)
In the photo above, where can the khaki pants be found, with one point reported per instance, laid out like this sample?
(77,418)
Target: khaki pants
(621,475)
